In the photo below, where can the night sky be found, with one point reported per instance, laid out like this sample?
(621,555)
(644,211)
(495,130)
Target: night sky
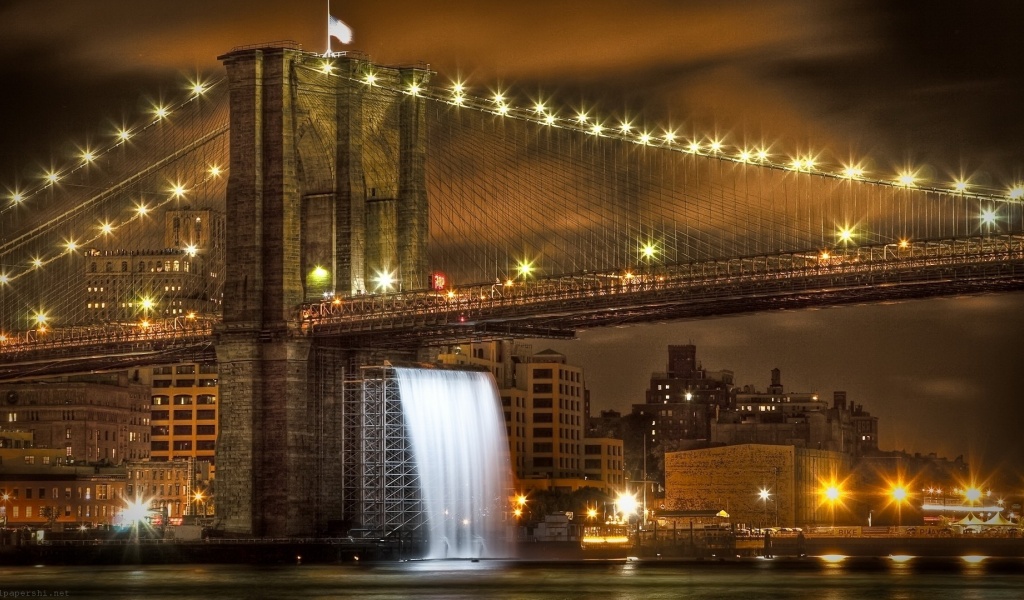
(934,86)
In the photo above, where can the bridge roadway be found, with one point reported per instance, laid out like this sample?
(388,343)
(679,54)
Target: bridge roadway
(559,306)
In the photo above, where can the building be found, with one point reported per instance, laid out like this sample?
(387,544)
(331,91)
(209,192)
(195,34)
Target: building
(681,402)
(798,419)
(182,278)
(167,486)
(95,419)
(762,485)
(39,487)
(184,411)
(544,400)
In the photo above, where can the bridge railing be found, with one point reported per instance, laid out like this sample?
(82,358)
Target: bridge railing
(170,330)
(459,305)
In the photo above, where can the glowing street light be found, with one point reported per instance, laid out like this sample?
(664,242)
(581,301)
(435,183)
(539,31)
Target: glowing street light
(385,280)
(764,495)
(627,503)
(899,495)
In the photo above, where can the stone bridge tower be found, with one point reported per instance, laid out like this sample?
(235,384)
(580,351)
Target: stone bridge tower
(326,192)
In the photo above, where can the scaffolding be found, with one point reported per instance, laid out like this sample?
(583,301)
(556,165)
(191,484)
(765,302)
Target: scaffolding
(380,483)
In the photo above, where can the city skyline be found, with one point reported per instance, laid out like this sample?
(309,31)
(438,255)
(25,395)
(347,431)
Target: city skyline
(860,79)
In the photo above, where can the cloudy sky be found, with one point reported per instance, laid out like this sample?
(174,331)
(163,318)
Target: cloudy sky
(935,86)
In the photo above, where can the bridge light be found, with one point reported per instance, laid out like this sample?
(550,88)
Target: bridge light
(988,216)
(499,98)
(540,108)
(71,246)
(459,88)
(198,88)
(550,119)
(147,303)
(326,67)
(141,209)
(144,323)
(744,156)
(649,250)
(52,177)
(40,318)
(178,190)
(458,100)
(825,255)
(4,279)
(670,137)
(1017,192)
(509,283)
(645,138)
(17,197)
(215,171)
(191,250)
(693,147)
(625,127)
(809,163)
(88,156)
(797,164)
(904,243)
(960,186)
(191,316)
(853,172)
(716,146)
(370,79)
(581,117)
(414,89)
(161,112)
(385,280)
(524,268)
(762,154)
(37,262)
(596,129)
(845,234)
(906,179)
(319,273)
(123,135)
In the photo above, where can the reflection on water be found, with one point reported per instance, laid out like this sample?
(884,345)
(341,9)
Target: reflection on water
(852,578)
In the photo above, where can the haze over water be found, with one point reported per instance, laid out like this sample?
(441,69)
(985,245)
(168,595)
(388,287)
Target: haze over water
(809,579)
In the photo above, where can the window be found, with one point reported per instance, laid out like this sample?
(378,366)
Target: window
(160,446)
(206,429)
(182,415)
(160,430)
(186,370)
(592,463)
(206,445)
(160,415)
(542,388)
(182,430)
(207,383)
(182,399)
(592,449)
(541,432)
(183,445)
(542,402)
(161,383)
(542,461)
(542,447)
(542,418)
(206,415)
(206,399)
(542,373)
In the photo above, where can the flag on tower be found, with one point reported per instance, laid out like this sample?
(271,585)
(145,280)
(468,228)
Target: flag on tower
(338,30)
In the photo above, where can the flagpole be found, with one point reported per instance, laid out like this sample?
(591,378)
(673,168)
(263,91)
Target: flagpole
(328,28)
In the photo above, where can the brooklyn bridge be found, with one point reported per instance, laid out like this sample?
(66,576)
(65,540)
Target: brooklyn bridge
(309,214)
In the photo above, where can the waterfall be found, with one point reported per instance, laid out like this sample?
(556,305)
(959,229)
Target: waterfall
(457,430)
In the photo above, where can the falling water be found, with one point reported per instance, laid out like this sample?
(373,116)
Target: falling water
(458,438)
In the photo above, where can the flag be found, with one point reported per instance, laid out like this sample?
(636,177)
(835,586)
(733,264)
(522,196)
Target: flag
(338,30)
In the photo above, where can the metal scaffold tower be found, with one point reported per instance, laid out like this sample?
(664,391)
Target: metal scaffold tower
(380,487)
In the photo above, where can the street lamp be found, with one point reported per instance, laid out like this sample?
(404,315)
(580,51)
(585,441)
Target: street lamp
(764,494)
(832,494)
(198,501)
(899,495)
(6,498)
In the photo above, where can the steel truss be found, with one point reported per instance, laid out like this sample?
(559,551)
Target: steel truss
(380,487)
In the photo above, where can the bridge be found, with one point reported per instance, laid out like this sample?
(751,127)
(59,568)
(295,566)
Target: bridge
(308,214)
